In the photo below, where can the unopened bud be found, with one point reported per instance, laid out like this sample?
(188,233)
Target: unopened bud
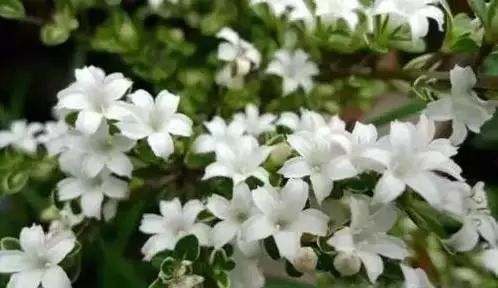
(347,264)
(306,260)
(280,153)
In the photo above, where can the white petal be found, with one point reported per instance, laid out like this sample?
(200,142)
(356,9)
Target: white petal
(115,188)
(387,246)
(423,185)
(26,279)
(401,137)
(388,188)
(266,199)
(258,227)
(372,263)
(92,165)
(415,277)
(152,224)
(161,144)
(32,239)
(70,188)
(202,232)
(134,130)
(342,240)
(171,209)
(419,26)
(218,206)
(88,121)
(12,261)
(120,164)
(180,124)
(60,249)
(204,144)
(91,203)
(158,243)
(142,99)
(289,85)
(287,243)
(440,110)
(340,169)
(466,238)
(322,186)
(488,259)
(311,221)
(294,195)
(217,170)
(488,229)
(55,277)
(459,133)
(191,210)
(295,168)
(167,102)
(116,86)
(224,232)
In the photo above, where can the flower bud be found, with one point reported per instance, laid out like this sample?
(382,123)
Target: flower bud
(280,153)
(306,260)
(347,264)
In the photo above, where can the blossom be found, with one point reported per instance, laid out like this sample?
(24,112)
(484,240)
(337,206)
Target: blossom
(415,13)
(92,191)
(93,153)
(155,120)
(233,214)
(366,239)
(477,220)
(415,278)
(94,96)
(254,123)
(37,263)
(282,217)
(414,161)
(295,69)
(240,162)
(463,107)
(332,10)
(174,223)
(295,9)
(54,136)
(21,136)
(319,159)
(242,54)
(220,135)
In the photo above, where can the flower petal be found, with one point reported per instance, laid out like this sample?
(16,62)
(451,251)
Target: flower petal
(55,277)
(161,144)
(13,261)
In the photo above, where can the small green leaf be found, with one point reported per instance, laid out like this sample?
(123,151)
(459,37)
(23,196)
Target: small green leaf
(157,284)
(10,243)
(14,182)
(222,279)
(187,248)
(53,34)
(12,9)
(168,268)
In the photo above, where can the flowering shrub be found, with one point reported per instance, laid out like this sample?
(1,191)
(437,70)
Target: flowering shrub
(250,154)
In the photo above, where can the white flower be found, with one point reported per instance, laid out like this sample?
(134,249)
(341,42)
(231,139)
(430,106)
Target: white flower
(477,220)
(254,123)
(295,69)
(415,278)
(36,265)
(221,135)
(233,214)
(366,239)
(489,259)
(295,9)
(94,95)
(463,107)
(320,159)
(54,137)
(240,162)
(414,161)
(94,152)
(237,51)
(282,217)
(174,223)
(247,272)
(414,13)
(21,136)
(306,260)
(92,191)
(66,220)
(155,120)
(332,10)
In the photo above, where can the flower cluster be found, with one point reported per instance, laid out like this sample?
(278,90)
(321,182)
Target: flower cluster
(285,172)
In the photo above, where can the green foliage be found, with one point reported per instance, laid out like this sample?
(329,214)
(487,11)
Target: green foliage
(11,9)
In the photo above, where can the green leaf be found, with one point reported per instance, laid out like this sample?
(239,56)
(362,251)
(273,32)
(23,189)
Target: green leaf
(222,280)
(53,34)
(168,268)
(14,182)
(10,243)
(187,248)
(491,64)
(12,9)
(479,7)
